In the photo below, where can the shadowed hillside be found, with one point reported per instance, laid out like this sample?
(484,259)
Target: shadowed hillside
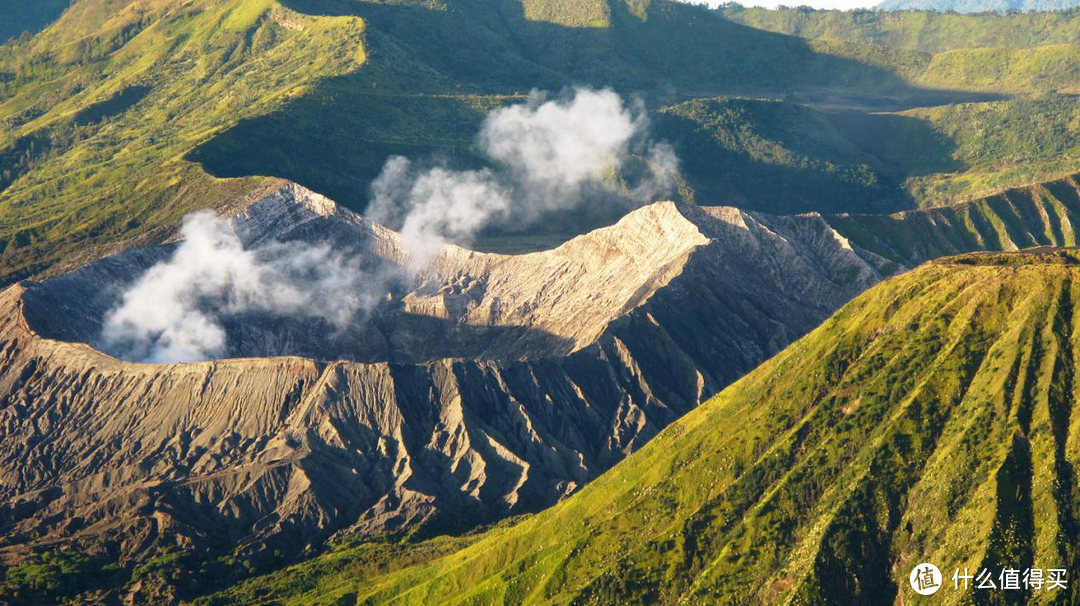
(21,17)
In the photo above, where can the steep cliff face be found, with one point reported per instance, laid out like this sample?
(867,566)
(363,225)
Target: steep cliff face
(487,385)
(1041,214)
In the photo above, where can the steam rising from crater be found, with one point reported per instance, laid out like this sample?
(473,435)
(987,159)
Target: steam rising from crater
(546,155)
(173,313)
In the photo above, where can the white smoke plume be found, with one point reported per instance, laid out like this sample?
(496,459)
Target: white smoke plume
(434,206)
(561,145)
(174,312)
(547,155)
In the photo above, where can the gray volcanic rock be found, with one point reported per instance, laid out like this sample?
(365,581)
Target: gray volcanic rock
(487,386)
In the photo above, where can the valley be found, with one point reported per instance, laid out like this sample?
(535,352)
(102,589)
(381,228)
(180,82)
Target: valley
(91,167)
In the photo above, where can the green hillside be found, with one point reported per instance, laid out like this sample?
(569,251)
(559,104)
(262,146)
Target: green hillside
(126,114)
(741,152)
(95,127)
(929,420)
(941,155)
(781,156)
(1046,214)
(978,6)
(1029,52)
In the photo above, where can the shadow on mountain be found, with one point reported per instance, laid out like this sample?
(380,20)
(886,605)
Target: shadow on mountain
(72,308)
(113,106)
(891,138)
(432,75)
(29,18)
(336,139)
(676,50)
(782,157)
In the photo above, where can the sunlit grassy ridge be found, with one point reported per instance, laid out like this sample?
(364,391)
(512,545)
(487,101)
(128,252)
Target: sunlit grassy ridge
(1046,214)
(1054,68)
(1030,52)
(95,127)
(573,13)
(930,419)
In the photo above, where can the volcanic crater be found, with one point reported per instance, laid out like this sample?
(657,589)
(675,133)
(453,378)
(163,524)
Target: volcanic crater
(482,386)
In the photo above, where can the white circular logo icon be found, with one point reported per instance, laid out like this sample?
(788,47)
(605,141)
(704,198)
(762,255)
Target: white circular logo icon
(926,579)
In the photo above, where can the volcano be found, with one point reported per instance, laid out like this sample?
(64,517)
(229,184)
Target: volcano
(483,386)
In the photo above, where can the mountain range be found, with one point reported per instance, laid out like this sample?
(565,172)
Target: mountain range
(186,106)
(283,321)
(978,6)
(494,386)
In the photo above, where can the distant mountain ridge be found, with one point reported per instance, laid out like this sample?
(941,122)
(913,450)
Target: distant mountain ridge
(110,87)
(978,6)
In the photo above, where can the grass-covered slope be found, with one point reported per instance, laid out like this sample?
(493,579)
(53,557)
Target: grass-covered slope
(743,152)
(125,114)
(781,156)
(1016,53)
(101,107)
(931,419)
(941,155)
(1045,214)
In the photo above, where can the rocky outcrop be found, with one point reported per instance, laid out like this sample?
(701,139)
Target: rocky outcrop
(489,385)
